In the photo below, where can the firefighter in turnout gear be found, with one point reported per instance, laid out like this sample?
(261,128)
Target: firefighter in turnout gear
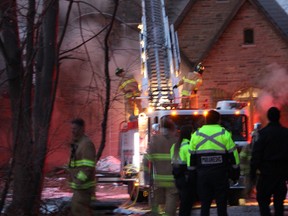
(215,158)
(129,87)
(81,169)
(185,180)
(245,158)
(163,189)
(191,83)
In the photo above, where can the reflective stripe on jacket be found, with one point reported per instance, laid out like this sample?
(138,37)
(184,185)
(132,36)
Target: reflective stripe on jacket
(212,145)
(190,83)
(159,156)
(127,82)
(162,180)
(129,95)
(82,164)
(186,93)
(129,87)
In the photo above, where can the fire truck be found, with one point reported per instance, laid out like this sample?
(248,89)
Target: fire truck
(135,136)
(160,67)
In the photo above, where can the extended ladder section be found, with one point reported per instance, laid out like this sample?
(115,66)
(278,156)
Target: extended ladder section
(159,54)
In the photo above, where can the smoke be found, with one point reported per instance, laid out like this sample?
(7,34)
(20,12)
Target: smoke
(274,88)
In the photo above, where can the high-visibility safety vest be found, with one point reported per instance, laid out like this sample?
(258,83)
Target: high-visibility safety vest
(82,164)
(183,158)
(212,145)
(159,156)
(129,86)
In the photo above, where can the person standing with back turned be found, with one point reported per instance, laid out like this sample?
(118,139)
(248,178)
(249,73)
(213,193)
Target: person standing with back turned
(82,169)
(163,187)
(270,157)
(185,179)
(215,158)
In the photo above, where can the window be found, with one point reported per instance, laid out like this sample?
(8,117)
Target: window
(248,36)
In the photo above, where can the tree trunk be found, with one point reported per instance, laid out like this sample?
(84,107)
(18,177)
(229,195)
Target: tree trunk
(29,149)
(46,82)
(108,84)
(21,159)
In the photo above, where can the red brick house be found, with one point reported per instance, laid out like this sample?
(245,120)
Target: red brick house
(244,47)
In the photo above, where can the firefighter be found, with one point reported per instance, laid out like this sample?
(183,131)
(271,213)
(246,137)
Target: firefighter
(191,83)
(245,157)
(185,180)
(129,87)
(215,158)
(269,156)
(163,189)
(81,169)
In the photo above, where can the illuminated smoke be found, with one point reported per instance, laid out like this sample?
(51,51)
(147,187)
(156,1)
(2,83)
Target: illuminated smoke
(274,88)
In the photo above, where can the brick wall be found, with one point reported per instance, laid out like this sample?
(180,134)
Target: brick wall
(230,65)
(200,26)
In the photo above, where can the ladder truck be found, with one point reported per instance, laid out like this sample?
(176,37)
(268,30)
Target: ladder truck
(160,63)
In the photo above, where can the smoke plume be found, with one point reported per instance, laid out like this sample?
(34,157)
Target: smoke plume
(274,88)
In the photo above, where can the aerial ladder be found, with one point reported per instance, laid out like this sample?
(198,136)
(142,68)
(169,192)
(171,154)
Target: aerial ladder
(160,63)
(160,56)
(160,67)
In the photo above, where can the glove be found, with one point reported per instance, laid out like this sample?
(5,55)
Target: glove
(175,86)
(234,174)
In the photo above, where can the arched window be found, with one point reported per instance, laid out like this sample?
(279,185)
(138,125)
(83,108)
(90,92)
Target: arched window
(248,36)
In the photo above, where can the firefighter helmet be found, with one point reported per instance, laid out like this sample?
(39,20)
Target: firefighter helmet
(118,71)
(199,68)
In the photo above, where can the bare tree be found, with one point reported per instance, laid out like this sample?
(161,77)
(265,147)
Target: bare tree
(31,119)
(35,58)
(108,84)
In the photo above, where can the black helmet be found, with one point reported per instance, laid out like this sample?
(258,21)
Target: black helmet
(199,68)
(118,71)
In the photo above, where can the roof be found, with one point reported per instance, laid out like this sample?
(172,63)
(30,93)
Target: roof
(274,13)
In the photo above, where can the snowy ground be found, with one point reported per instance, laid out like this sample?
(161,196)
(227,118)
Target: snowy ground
(112,198)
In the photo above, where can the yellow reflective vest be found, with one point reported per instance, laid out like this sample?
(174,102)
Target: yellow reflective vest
(82,164)
(212,145)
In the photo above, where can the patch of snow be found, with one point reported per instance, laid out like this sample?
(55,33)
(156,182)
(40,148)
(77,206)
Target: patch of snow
(54,205)
(108,164)
(54,193)
(130,211)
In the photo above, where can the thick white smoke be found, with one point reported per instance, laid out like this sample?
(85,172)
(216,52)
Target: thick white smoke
(274,89)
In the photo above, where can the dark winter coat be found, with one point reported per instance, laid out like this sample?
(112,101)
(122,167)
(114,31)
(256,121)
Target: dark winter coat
(270,151)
